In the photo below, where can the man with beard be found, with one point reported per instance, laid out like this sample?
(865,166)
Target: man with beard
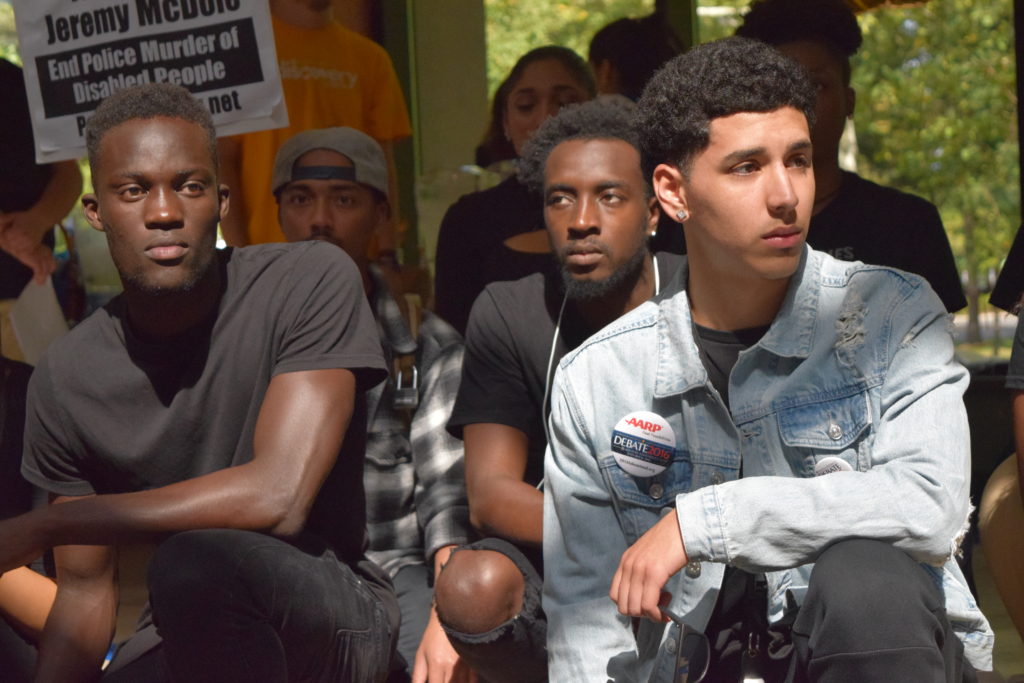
(215,407)
(599,212)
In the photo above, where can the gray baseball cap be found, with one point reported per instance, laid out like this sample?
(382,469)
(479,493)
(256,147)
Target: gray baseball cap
(368,164)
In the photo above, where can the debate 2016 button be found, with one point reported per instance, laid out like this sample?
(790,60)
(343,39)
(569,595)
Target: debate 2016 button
(643,444)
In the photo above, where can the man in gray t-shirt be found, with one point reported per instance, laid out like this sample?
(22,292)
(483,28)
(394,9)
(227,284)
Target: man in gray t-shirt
(207,408)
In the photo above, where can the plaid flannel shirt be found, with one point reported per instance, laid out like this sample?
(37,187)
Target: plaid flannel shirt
(414,478)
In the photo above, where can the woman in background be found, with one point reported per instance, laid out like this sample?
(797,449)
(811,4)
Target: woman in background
(498,234)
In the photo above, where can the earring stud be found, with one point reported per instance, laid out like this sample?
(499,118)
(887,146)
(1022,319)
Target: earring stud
(682,215)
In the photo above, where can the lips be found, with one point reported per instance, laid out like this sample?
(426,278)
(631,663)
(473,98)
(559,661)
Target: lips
(167,251)
(583,258)
(784,238)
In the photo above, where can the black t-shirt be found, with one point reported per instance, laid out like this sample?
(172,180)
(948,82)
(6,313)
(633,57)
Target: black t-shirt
(1010,285)
(883,226)
(109,413)
(22,181)
(15,492)
(1015,371)
(719,350)
(508,345)
(471,251)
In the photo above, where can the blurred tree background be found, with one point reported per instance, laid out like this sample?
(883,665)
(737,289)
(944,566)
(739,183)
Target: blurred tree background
(936,105)
(936,115)
(8,36)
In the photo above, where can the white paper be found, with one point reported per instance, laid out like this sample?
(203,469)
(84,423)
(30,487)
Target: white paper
(37,319)
(77,53)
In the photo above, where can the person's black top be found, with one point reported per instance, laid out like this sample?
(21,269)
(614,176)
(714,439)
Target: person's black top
(1010,285)
(22,180)
(470,246)
(109,412)
(15,492)
(883,226)
(508,346)
(1015,371)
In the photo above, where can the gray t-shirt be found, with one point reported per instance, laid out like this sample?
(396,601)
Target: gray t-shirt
(108,412)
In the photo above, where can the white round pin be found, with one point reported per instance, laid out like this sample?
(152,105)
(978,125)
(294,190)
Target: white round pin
(830,464)
(643,444)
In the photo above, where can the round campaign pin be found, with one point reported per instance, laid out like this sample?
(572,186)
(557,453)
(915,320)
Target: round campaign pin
(643,444)
(831,464)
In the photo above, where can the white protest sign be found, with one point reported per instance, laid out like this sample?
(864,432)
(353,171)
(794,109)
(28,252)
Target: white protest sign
(77,52)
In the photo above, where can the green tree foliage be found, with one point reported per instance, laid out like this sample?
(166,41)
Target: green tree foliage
(515,27)
(936,115)
(8,36)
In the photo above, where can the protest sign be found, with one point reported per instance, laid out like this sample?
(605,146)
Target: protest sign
(77,52)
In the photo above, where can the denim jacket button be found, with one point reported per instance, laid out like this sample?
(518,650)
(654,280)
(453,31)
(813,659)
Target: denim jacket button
(670,645)
(835,432)
(717,477)
(693,569)
(656,491)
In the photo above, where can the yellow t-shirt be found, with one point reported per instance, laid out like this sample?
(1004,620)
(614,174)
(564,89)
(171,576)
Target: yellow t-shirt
(330,76)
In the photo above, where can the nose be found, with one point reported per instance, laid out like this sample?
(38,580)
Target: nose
(586,218)
(163,209)
(782,198)
(322,218)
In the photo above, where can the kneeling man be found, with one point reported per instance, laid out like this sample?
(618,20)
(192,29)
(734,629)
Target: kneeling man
(775,459)
(215,407)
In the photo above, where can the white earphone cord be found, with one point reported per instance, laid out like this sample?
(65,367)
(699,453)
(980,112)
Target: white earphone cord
(554,344)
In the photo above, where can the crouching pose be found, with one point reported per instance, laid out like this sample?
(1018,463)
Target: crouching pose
(770,467)
(217,408)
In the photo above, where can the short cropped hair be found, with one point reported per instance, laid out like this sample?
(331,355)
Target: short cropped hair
(721,78)
(828,22)
(600,119)
(148,101)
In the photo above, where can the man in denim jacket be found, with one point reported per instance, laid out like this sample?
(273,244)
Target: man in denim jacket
(803,417)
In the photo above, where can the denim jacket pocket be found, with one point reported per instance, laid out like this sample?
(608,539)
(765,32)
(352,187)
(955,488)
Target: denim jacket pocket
(825,426)
(639,501)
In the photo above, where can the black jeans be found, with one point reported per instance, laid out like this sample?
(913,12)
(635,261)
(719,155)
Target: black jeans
(235,605)
(871,613)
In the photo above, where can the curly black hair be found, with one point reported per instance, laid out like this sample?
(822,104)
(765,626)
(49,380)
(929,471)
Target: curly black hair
(635,48)
(828,22)
(147,101)
(717,79)
(600,119)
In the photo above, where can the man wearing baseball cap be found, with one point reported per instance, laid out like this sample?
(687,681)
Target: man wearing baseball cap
(331,184)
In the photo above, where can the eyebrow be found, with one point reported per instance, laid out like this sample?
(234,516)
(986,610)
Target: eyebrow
(139,176)
(601,187)
(740,154)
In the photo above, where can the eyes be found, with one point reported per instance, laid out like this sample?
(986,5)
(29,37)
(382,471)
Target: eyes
(527,104)
(138,190)
(610,198)
(799,160)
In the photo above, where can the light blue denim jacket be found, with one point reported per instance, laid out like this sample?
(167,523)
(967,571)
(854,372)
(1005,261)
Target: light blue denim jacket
(858,365)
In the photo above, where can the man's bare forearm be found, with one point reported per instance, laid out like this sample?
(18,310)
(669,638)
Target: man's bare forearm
(81,625)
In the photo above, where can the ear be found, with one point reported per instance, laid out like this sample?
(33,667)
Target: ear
(851,101)
(224,195)
(91,205)
(669,188)
(605,76)
(653,214)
